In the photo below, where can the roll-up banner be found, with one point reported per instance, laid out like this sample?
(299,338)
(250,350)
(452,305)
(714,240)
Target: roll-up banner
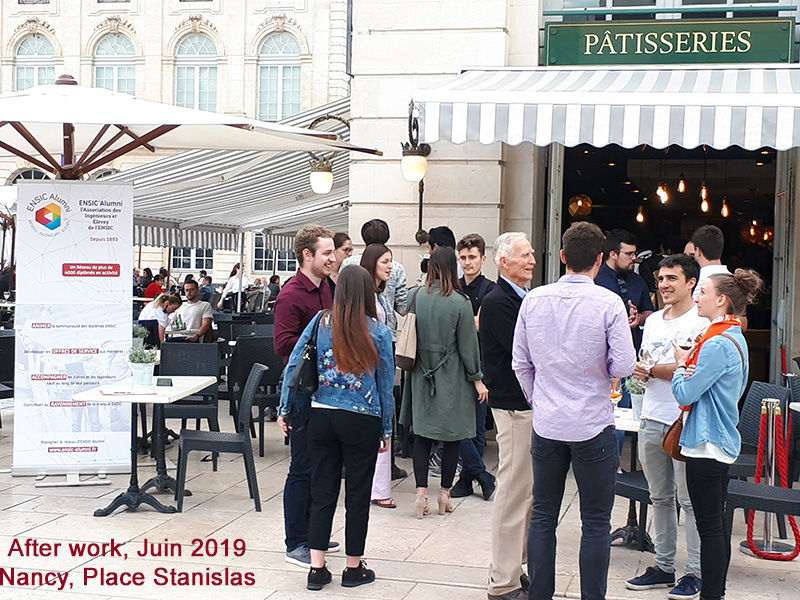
(73,326)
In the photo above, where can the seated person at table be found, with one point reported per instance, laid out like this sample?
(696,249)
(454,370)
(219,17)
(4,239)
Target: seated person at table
(207,291)
(159,310)
(156,287)
(196,314)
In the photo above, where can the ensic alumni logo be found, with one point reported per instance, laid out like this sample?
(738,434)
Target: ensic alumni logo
(49,216)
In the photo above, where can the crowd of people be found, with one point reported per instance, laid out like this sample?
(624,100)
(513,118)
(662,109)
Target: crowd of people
(535,364)
(543,358)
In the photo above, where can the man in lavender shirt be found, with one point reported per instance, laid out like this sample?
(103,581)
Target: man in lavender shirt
(571,337)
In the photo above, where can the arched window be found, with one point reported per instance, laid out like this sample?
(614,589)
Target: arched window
(113,64)
(279,77)
(27,175)
(34,62)
(196,73)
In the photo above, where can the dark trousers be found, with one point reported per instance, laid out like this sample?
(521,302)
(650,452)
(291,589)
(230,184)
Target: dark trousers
(472,450)
(422,452)
(296,497)
(336,438)
(707,480)
(594,464)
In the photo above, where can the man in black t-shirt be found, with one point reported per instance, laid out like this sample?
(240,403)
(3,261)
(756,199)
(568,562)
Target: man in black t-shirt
(471,255)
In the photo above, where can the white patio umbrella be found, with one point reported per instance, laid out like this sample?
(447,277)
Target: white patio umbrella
(70,130)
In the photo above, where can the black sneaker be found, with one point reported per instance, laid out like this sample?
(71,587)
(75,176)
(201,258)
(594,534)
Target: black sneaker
(652,578)
(461,489)
(353,577)
(318,578)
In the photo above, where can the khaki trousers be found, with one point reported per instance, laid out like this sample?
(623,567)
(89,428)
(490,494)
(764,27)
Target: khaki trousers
(511,515)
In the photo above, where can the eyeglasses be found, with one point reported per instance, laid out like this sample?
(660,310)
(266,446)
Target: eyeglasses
(632,253)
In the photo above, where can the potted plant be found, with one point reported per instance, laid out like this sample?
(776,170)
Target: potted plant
(139,335)
(636,388)
(142,362)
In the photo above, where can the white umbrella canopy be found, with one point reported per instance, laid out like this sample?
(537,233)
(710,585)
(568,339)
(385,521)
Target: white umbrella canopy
(70,130)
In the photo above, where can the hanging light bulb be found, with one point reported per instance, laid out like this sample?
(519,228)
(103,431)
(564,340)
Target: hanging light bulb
(704,205)
(703,191)
(662,193)
(725,210)
(321,176)
(640,215)
(681,184)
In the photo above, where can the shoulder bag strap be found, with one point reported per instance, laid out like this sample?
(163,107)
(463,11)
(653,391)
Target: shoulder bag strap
(741,354)
(412,304)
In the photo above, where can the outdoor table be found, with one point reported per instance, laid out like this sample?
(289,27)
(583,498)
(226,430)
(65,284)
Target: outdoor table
(181,332)
(124,391)
(624,421)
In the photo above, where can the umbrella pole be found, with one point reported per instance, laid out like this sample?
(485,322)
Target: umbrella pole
(241,271)
(169,267)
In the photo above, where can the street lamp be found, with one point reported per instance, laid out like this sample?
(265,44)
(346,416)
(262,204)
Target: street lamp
(322,168)
(414,164)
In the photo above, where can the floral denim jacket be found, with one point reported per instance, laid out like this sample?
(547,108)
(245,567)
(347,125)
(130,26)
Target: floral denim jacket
(366,393)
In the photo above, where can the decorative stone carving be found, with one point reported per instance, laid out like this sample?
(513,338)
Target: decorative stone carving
(115,24)
(279,22)
(34,25)
(196,23)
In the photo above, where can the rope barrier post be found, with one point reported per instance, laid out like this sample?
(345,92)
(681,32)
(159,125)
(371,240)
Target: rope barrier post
(771,455)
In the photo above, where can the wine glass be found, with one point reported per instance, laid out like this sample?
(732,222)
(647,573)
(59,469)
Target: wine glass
(616,393)
(7,295)
(684,341)
(646,359)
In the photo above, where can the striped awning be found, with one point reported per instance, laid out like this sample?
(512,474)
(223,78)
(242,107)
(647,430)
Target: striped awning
(753,107)
(206,198)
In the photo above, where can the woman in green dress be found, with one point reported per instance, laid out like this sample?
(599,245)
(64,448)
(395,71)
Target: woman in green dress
(439,396)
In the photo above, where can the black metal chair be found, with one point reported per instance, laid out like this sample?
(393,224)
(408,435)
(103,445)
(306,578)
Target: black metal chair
(193,359)
(271,382)
(7,350)
(264,318)
(250,329)
(750,425)
(247,352)
(152,338)
(794,440)
(215,441)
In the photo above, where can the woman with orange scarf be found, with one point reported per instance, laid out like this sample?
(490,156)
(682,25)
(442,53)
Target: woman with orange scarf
(709,381)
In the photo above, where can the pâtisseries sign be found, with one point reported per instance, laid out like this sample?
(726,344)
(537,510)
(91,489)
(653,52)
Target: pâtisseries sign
(670,42)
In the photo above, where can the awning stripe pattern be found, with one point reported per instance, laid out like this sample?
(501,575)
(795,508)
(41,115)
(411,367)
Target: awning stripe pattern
(752,107)
(172,237)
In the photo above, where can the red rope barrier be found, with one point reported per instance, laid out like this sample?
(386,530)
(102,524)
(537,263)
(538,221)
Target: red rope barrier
(782,454)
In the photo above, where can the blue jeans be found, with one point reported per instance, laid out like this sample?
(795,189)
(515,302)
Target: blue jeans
(296,494)
(472,449)
(624,402)
(594,464)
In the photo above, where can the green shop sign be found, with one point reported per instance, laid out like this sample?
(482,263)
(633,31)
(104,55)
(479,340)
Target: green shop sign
(670,42)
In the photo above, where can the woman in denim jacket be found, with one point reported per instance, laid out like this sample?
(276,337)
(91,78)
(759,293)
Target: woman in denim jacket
(350,422)
(710,378)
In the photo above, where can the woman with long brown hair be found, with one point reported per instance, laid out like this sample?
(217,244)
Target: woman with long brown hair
(439,396)
(350,422)
(377,260)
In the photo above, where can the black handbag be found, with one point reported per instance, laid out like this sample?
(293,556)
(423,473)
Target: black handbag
(304,381)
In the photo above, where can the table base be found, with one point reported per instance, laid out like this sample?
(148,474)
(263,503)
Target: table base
(773,548)
(164,483)
(132,499)
(630,537)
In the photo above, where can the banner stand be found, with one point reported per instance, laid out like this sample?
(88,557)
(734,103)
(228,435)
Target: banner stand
(73,330)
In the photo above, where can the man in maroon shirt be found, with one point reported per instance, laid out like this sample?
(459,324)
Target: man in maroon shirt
(303,296)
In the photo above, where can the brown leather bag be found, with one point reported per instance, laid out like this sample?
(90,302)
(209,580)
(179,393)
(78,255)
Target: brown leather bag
(672,439)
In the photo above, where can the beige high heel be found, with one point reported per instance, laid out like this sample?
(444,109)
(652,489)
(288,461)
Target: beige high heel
(445,502)
(421,505)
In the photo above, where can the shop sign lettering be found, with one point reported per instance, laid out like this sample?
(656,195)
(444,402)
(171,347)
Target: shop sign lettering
(670,42)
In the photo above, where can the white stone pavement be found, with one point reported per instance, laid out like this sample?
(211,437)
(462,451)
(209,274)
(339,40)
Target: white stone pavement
(438,557)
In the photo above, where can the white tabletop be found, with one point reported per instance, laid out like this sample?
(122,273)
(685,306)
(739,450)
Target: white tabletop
(795,406)
(624,421)
(125,391)
(182,332)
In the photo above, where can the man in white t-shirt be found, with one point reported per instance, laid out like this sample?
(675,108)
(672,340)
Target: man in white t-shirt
(677,322)
(706,248)
(196,314)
